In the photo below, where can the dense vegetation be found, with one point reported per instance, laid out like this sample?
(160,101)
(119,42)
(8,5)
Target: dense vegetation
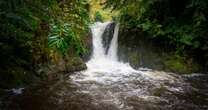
(179,24)
(33,32)
(66,30)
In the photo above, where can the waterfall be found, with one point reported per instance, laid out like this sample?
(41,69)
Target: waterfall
(112,53)
(98,48)
(107,63)
(102,61)
(108,84)
(108,80)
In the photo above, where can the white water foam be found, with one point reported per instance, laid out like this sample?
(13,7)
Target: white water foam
(102,67)
(108,65)
(115,81)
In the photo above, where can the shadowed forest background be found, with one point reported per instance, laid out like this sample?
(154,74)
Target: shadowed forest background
(40,39)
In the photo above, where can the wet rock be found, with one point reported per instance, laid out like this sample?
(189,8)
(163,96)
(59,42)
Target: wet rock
(63,66)
(108,35)
(159,91)
(87,42)
(76,64)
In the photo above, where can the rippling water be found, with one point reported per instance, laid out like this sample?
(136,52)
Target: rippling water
(115,92)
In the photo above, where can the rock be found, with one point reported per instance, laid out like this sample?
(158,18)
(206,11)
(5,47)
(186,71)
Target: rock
(76,64)
(56,70)
(178,64)
(108,35)
(135,47)
(87,41)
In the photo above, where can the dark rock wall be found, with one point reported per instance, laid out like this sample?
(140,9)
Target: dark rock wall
(135,47)
(108,36)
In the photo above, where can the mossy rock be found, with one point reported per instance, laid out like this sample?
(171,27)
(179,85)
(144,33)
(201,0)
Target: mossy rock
(76,64)
(134,59)
(77,61)
(179,65)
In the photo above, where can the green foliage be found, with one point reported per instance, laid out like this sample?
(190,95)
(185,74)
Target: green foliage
(58,38)
(20,21)
(26,31)
(68,26)
(179,23)
(98,17)
(61,37)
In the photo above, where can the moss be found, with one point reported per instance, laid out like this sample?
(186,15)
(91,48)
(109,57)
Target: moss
(75,64)
(179,64)
(134,59)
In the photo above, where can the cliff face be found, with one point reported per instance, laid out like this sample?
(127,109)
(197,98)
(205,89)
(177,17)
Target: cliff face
(140,51)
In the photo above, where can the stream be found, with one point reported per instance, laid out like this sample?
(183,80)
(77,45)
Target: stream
(110,84)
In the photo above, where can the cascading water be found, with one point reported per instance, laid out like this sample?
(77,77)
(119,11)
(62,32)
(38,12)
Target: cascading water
(98,48)
(108,63)
(108,84)
(119,86)
(112,53)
